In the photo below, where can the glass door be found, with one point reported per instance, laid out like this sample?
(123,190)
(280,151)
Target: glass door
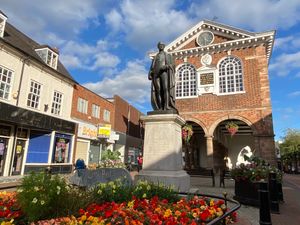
(3,153)
(18,156)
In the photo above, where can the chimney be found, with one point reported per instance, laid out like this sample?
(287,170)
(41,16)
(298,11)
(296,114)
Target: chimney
(3,19)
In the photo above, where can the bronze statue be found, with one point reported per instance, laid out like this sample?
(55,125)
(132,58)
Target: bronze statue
(162,75)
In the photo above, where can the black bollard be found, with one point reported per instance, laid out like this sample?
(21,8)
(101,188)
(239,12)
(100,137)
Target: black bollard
(280,192)
(264,209)
(274,204)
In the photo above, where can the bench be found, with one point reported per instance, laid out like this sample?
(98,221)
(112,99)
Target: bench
(203,172)
(225,174)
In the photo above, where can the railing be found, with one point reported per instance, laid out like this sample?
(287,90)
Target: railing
(222,218)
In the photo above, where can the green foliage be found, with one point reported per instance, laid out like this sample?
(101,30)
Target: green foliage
(117,191)
(257,169)
(110,155)
(290,147)
(42,196)
(145,189)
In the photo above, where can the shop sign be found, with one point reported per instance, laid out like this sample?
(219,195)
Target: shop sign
(87,131)
(104,131)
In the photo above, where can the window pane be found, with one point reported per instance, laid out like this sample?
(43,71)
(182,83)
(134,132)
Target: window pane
(186,81)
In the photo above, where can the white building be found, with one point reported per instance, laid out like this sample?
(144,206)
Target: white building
(36,130)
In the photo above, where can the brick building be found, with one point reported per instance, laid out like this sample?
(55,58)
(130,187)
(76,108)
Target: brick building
(221,77)
(92,112)
(129,128)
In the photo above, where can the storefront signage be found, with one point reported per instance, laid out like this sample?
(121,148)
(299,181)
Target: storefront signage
(104,131)
(206,78)
(87,131)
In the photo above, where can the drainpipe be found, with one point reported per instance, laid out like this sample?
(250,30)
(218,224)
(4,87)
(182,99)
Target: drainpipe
(25,60)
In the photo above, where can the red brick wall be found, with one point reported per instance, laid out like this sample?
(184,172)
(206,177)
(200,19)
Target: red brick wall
(92,98)
(127,118)
(253,106)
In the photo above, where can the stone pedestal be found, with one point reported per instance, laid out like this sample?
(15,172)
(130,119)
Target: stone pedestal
(163,151)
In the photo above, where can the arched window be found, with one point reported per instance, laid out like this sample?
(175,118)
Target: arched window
(186,81)
(230,75)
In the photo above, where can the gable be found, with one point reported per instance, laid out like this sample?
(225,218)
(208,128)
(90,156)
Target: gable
(223,38)
(192,43)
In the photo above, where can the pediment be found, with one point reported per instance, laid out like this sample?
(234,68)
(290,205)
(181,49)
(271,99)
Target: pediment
(224,38)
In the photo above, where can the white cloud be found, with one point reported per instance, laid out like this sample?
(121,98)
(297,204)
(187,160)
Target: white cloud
(146,22)
(131,84)
(89,57)
(288,43)
(285,63)
(105,59)
(41,20)
(255,15)
(294,94)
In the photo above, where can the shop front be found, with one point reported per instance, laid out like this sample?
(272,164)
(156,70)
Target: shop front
(31,141)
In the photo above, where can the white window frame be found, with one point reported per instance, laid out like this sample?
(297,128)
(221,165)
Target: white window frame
(235,75)
(82,105)
(7,86)
(33,94)
(189,80)
(106,115)
(57,102)
(95,111)
(48,56)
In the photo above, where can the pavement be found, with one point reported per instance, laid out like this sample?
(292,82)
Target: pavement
(247,215)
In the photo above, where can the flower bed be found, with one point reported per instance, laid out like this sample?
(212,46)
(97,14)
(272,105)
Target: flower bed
(110,203)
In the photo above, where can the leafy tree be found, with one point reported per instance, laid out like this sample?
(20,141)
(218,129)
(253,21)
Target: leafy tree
(290,147)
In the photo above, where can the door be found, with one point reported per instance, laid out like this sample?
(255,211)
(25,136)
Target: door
(3,153)
(18,156)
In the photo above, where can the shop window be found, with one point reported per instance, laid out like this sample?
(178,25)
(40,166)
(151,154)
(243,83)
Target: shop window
(56,103)
(230,75)
(33,99)
(82,105)
(62,147)
(186,82)
(38,147)
(5,82)
(95,111)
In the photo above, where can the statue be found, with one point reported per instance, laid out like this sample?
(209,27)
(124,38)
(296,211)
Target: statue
(162,75)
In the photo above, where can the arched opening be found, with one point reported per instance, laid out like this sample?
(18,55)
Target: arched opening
(194,152)
(230,144)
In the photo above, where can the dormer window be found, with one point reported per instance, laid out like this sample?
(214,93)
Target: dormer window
(48,56)
(3,19)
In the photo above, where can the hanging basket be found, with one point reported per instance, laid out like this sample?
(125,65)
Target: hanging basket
(187,132)
(232,128)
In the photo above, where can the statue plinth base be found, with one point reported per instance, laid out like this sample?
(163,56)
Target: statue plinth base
(162,161)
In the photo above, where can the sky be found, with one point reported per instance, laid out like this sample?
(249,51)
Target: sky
(105,43)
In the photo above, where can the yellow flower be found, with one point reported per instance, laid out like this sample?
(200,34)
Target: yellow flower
(130,204)
(168,213)
(211,203)
(144,195)
(83,218)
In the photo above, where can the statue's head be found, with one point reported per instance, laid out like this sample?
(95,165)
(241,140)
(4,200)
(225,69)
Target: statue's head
(160,45)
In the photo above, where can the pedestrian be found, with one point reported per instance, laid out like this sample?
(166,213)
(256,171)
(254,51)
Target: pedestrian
(140,162)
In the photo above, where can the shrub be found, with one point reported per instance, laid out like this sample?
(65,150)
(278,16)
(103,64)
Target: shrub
(42,196)
(146,189)
(117,191)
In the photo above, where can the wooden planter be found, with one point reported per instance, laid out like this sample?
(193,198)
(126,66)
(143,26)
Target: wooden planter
(246,192)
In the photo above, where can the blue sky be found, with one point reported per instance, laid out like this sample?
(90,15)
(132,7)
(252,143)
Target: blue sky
(105,43)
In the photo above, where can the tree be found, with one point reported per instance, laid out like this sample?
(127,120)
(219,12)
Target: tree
(290,148)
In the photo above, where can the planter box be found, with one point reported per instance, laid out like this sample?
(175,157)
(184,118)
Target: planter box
(246,192)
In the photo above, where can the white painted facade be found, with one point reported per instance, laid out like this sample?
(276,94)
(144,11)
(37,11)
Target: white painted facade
(50,81)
